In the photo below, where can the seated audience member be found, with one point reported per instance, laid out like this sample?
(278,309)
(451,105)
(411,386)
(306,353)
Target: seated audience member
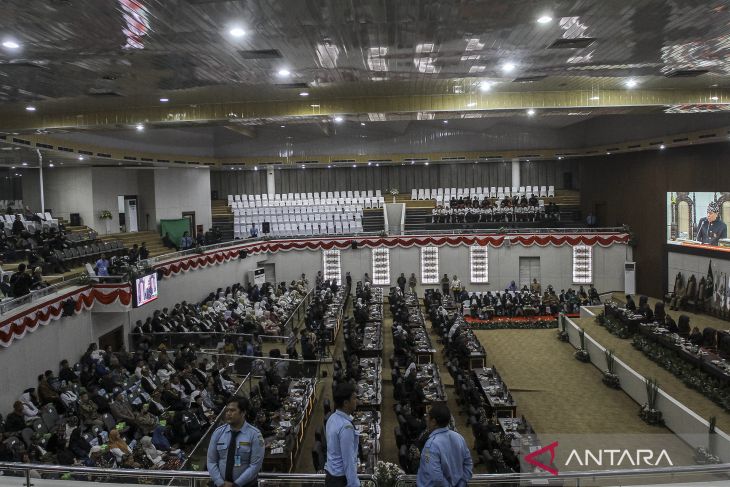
(15,421)
(37,281)
(696,337)
(253,232)
(144,254)
(21,282)
(18,227)
(186,241)
(630,305)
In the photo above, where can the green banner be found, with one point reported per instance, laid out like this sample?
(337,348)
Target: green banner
(175,228)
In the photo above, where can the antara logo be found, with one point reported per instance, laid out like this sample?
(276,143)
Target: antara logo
(618,458)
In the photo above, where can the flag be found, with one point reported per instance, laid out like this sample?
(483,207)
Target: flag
(710,284)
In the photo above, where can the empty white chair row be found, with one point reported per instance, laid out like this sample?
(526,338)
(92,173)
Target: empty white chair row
(366,202)
(302,196)
(295,229)
(482,192)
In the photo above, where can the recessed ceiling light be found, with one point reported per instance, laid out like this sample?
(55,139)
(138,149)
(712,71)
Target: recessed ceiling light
(370,163)
(353,165)
(560,158)
(530,112)
(662,147)
(508,67)
(338,119)
(594,98)
(24,164)
(362,123)
(377,164)
(237,32)
(13,167)
(632,83)
(714,98)
(50,165)
(314,106)
(284,72)
(304,93)
(283,126)
(164,100)
(139,127)
(608,153)
(255,168)
(544,19)
(81,158)
(446,121)
(425,163)
(303,166)
(11,44)
(30,108)
(471,105)
(329,166)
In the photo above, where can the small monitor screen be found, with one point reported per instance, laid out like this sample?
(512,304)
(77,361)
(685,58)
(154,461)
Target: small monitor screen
(145,289)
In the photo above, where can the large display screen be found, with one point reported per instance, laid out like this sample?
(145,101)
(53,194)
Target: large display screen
(145,289)
(698,219)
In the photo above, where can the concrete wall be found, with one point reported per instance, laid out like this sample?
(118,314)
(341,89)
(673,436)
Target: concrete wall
(179,190)
(70,190)
(37,352)
(694,264)
(107,184)
(555,265)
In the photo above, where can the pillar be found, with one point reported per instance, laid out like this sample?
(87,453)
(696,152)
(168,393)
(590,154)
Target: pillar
(270,181)
(515,173)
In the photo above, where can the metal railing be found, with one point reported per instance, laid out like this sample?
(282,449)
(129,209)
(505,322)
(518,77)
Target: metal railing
(516,231)
(295,318)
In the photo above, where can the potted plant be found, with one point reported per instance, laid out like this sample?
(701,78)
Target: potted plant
(106,216)
(705,456)
(582,354)
(386,474)
(609,377)
(648,412)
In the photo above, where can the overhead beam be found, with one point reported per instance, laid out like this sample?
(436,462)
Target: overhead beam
(249,132)
(261,111)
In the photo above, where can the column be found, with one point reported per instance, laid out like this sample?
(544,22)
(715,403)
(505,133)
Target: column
(270,181)
(515,173)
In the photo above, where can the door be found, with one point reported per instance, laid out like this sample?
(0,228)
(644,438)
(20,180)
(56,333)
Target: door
(529,270)
(115,338)
(190,216)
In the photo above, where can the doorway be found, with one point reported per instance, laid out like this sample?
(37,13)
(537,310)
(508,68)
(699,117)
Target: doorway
(114,338)
(190,217)
(529,270)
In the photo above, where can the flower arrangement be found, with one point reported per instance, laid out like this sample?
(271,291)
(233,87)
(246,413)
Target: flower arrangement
(648,412)
(609,377)
(386,474)
(612,326)
(705,457)
(515,325)
(393,192)
(105,215)
(582,354)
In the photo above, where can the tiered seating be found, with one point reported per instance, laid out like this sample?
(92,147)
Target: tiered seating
(302,213)
(15,204)
(366,199)
(445,194)
(47,221)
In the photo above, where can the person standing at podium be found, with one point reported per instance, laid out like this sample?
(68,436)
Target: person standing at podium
(711,229)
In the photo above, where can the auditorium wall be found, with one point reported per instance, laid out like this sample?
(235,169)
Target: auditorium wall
(631,189)
(42,350)
(555,265)
(457,174)
(689,264)
(178,190)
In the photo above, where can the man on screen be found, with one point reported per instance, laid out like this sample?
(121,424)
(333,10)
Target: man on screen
(711,229)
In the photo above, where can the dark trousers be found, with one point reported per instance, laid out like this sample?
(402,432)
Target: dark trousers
(332,481)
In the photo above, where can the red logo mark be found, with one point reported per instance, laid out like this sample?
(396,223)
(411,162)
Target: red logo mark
(531,458)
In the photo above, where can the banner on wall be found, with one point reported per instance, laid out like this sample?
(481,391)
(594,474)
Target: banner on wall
(259,276)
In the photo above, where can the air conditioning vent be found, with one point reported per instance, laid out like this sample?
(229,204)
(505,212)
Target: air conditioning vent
(529,79)
(260,54)
(686,73)
(577,43)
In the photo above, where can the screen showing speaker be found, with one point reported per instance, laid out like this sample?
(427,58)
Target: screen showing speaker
(145,289)
(698,219)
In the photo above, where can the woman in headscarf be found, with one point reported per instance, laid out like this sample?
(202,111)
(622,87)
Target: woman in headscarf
(120,449)
(159,460)
(78,445)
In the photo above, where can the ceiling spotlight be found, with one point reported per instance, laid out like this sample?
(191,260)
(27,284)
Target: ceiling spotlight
(11,44)
(594,98)
(508,67)
(662,147)
(446,121)
(338,119)
(255,168)
(353,165)
(544,19)
(560,158)
(30,108)
(370,163)
(714,98)
(608,153)
(283,126)
(164,100)
(362,124)
(329,166)
(377,164)
(50,165)
(24,164)
(413,162)
(485,86)
(284,73)
(237,32)
(425,163)
(314,106)
(303,166)
(632,83)
(81,158)
(530,112)
(139,127)
(304,93)
(471,105)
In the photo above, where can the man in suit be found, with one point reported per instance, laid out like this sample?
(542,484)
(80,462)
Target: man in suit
(711,229)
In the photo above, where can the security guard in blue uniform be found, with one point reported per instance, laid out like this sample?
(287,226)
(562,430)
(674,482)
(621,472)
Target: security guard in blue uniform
(711,229)
(236,449)
(445,459)
(342,440)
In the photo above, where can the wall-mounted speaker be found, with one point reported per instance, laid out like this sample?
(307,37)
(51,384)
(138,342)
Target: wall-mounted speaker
(242,254)
(354,245)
